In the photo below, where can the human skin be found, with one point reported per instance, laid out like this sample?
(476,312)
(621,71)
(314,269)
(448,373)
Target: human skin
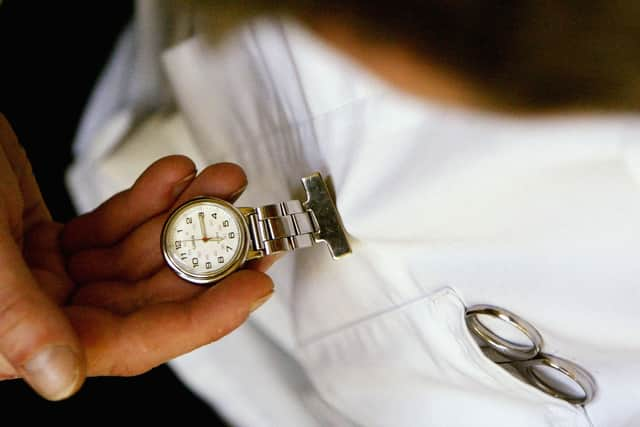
(94,296)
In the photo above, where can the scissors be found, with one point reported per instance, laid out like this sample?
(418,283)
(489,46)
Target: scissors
(527,360)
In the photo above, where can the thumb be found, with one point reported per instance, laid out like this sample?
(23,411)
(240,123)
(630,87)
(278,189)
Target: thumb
(36,338)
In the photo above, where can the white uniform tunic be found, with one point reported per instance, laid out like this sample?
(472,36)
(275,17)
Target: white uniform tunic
(444,208)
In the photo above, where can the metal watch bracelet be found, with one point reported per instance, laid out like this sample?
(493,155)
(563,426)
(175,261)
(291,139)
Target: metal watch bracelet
(281,227)
(293,224)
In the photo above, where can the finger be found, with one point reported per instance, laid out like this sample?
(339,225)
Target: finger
(164,286)
(35,337)
(134,344)
(224,180)
(153,192)
(139,255)
(125,298)
(44,257)
(35,209)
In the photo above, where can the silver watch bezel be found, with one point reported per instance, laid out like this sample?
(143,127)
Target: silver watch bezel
(239,258)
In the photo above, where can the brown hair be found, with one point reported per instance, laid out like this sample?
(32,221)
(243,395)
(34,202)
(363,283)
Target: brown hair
(525,54)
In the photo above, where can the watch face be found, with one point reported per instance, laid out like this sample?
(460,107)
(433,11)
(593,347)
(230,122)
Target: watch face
(204,239)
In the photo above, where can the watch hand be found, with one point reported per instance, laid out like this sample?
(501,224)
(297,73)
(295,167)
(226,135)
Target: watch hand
(217,238)
(203,227)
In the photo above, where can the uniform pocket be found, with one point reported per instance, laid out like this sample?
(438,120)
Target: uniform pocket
(417,365)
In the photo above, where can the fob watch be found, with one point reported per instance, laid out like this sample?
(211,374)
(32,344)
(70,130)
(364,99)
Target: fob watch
(206,238)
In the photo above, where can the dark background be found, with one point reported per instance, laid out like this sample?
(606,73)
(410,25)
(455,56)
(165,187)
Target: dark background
(50,56)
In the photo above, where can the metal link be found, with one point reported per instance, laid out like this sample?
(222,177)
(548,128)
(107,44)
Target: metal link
(292,207)
(254,227)
(263,234)
(303,223)
(269,211)
(302,241)
(278,245)
(281,227)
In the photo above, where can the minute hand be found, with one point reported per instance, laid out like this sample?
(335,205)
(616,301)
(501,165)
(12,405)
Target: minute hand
(203,227)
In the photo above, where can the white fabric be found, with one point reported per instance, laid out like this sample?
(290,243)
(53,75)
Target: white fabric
(445,209)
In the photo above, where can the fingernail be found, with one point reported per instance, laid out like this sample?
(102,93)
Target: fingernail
(257,303)
(235,195)
(54,372)
(179,186)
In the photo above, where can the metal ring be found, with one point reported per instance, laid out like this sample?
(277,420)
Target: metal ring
(569,369)
(509,349)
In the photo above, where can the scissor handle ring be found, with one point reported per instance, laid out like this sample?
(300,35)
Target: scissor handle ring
(509,349)
(569,369)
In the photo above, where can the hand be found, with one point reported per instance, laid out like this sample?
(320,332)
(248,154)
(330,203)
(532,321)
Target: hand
(120,311)
(37,341)
(130,310)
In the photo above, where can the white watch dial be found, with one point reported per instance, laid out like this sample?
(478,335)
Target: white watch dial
(203,239)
